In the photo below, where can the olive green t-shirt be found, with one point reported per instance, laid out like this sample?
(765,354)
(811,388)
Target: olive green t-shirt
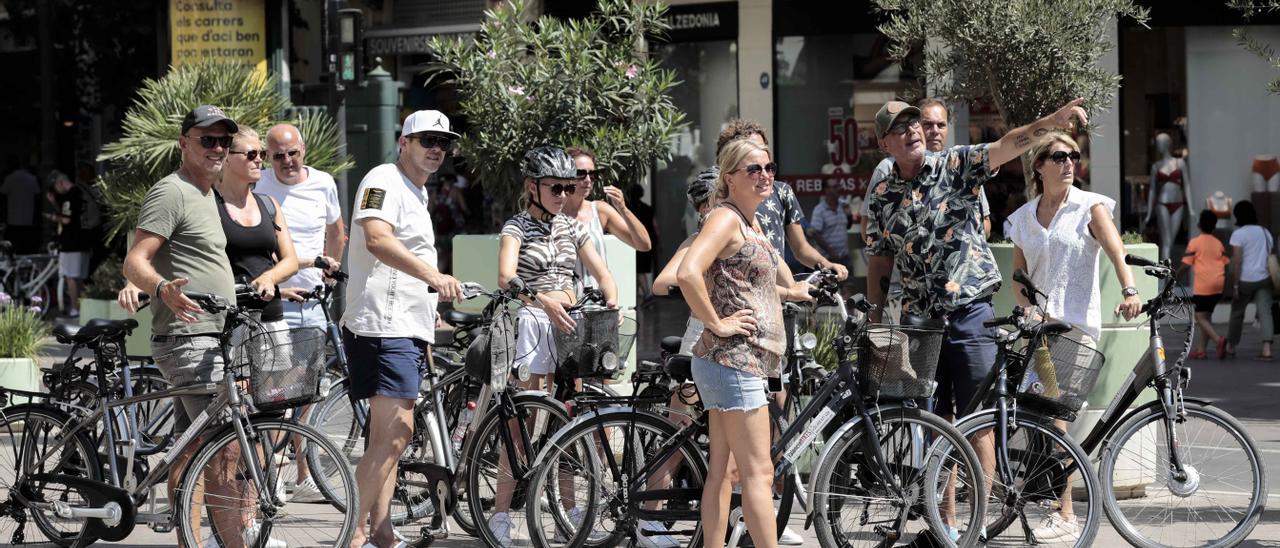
(195,248)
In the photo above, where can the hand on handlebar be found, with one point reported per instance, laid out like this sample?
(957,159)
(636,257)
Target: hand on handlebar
(294,294)
(1130,308)
(800,292)
(264,288)
(556,313)
(841,271)
(449,288)
(182,307)
(130,298)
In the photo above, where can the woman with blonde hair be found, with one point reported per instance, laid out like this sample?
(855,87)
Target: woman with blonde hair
(729,277)
(1056,239)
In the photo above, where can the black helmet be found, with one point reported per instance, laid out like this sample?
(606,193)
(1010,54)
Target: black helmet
(703,186)
(548,161)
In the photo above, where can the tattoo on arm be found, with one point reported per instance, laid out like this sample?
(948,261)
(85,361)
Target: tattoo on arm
(1040,132)
(1022,141)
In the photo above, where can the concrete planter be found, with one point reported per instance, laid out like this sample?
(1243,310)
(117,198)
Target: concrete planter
(139,343)
(20,374)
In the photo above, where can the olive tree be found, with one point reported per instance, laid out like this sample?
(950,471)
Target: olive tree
(1264,50)
(525,82)
(1028,57)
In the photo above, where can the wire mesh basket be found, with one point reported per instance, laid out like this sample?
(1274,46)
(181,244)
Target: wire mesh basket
(283,367)
(899,362)
(1061,371)
(598,347)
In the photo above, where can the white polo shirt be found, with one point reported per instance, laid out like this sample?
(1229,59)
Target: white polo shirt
(383,301)
(309,207)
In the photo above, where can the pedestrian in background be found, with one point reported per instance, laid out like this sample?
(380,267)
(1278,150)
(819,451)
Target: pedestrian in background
(1250,245)
(1207,258)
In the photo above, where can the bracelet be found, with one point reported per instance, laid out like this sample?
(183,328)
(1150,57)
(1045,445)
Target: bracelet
(160,285)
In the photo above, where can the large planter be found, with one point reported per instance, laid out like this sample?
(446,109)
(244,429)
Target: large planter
(20,374)
(138,343)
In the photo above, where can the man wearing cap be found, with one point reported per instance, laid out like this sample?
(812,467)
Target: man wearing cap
(390,317)
(922,221)
(309,199)
(179,246)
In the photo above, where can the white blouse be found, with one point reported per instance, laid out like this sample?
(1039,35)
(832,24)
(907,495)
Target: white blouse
(1062,260)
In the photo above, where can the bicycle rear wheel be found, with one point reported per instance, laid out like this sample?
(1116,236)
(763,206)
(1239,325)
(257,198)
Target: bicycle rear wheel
(854,504)
(1053,496)
(1217,504)
(220,489)
(28,438)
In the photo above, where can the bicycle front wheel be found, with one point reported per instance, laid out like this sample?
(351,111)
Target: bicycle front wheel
(32,442)
(932,493)
(221,504)
(1216,501)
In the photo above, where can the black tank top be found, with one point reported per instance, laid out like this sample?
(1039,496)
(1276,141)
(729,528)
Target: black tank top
(252,251)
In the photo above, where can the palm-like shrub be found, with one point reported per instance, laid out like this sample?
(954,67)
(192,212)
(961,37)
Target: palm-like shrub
(589,82)
(148,150)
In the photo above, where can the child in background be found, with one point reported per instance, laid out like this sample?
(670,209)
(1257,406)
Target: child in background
(1208,261)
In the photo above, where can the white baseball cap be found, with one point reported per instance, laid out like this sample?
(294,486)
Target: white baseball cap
(427,121)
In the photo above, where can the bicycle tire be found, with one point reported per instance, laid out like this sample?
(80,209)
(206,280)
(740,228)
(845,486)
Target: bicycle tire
(267,435)
(1042,454)
(582,439)
(483,462)
(17,424)
(1118,450)
(912,461)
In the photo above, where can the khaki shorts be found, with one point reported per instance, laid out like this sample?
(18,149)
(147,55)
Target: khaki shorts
(184,360)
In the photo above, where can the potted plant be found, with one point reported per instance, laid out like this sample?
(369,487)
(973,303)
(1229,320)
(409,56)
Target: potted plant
(100,293)
(22,337)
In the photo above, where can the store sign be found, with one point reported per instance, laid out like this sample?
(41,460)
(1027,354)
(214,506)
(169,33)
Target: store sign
(699,22)
(218,30)
(854,184)
(397,45)
(842,139)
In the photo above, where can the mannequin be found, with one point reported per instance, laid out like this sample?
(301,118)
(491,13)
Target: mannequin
(1220,204)
(1167,199)
(1266,173)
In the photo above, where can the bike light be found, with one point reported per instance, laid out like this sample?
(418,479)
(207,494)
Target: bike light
(522,372)
(609,361)
(808,341)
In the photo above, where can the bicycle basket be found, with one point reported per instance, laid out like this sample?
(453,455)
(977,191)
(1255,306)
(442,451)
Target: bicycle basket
(1061,371)
(899,362)
(284,367)
(594,349)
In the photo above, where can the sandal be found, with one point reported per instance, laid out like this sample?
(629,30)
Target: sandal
(1222,348)
(1197,355)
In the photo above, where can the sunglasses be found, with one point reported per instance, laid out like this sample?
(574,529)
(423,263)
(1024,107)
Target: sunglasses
(209,141)
(901,128)
(432,141)
(754,170)
(280,155)
(584,173)
(1061,156)
(559,188)
(250,155)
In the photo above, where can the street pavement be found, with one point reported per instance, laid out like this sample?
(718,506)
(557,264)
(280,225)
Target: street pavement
(1246,387)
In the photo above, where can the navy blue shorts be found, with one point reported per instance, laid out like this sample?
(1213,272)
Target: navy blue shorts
(968,352)
(378,366)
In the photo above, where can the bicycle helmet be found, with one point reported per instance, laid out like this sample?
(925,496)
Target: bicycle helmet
(548,161)
(703,186)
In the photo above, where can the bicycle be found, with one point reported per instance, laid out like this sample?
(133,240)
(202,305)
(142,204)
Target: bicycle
(56,477)
(26,278)
(1033,461)
(889,453)
(1172,440)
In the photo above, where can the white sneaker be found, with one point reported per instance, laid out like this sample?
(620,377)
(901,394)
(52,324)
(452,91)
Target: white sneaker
(655,539)
(1056,528)
(500,526)
(790,538)
(251,534)
(307,491)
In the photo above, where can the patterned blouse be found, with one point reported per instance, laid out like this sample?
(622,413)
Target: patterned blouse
(926,224)
(746,281)
(777,211)
(548,250)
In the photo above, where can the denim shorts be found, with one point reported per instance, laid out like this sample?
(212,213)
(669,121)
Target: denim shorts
(384,366)
(727,389)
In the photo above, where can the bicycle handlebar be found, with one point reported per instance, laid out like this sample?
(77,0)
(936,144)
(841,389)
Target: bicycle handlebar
(323,265)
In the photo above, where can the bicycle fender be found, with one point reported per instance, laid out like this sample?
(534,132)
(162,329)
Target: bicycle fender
(826,447)
(555,438)
(1153,404)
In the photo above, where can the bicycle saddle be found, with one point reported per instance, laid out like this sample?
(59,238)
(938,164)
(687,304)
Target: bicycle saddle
(911,320)
(1054,327)
(679,368)
(94,330)
(671,345)
(457,317)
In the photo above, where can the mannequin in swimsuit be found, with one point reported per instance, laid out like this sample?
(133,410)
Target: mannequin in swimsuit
(1171,184)
(1220,204)
(1266,173)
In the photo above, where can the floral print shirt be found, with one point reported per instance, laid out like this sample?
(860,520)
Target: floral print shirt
(777,211)
(926,224)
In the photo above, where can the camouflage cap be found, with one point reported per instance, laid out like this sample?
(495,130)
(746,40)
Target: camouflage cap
(703,186)
(889,113)
(548,161)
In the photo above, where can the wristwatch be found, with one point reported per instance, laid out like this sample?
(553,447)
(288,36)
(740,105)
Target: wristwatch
(1129,292)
